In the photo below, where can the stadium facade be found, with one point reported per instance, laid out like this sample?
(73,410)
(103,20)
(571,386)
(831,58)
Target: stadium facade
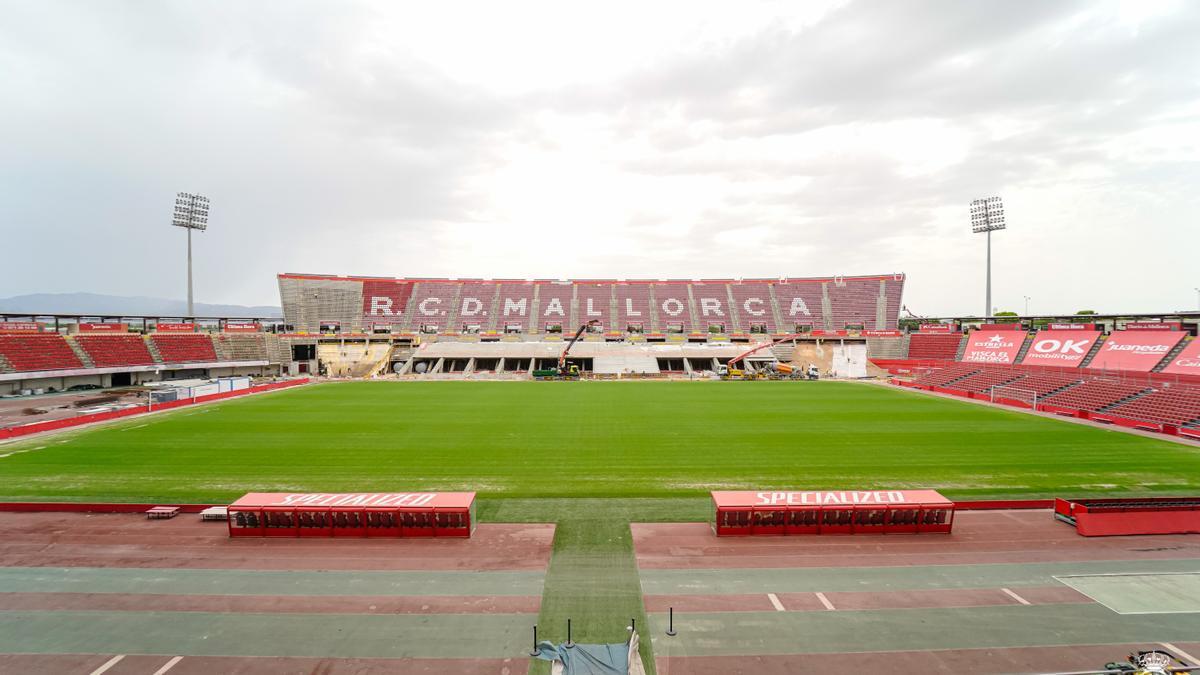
(321,303)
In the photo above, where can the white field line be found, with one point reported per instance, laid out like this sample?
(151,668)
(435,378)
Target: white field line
(775,602)
(1180,653)
(108,664)
(1016,597)
(169,665)
(825,601)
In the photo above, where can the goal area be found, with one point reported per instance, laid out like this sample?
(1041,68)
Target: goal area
(1002,394)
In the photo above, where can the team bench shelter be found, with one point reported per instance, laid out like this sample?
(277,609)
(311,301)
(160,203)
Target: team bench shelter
(355,514)
(1138,515)
(832,512)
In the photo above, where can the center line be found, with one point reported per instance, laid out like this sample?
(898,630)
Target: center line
(109,664)
(169,665)
(1016,597)
(775,602)
(825,601)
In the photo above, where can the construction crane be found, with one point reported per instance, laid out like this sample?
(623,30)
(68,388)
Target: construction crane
(562,358)
(562,370)
(731,371)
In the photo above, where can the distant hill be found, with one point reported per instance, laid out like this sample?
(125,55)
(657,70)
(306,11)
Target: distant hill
(93,303)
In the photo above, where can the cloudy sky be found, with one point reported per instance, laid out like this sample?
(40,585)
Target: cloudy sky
(626,140)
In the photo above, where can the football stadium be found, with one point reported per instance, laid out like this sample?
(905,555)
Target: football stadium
(543,338)
(410,475)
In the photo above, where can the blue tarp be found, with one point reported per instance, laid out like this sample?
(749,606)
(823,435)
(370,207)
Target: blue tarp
(612,659)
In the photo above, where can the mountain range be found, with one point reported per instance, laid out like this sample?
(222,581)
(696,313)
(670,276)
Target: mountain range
(92,304)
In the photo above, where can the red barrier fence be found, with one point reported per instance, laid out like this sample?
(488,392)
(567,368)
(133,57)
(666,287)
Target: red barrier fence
(52,425)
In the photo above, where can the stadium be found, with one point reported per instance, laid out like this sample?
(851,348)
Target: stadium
(595,434)
(678,338)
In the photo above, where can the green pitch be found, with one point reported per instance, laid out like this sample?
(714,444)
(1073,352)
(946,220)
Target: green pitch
(591,439)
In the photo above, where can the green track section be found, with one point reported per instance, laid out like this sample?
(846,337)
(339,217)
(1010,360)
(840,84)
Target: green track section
(592,439)
(878,579)
(220,634)
(254,582)
(754,633)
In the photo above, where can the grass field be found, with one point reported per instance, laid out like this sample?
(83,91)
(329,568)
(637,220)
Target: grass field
(560,439)
(591,458)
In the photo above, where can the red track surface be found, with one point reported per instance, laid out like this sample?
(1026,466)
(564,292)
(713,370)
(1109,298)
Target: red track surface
(276,604)
(979,537)
(125,540)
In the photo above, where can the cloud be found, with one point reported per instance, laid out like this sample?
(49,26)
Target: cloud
(542,140)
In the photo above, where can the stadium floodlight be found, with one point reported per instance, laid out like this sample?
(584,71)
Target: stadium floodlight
(987,215)
(191,213)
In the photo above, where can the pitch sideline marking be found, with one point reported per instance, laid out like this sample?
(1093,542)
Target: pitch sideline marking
(1016,597)
(108,664)
(825,601)
(169,665)
(775,602)
(1179,652)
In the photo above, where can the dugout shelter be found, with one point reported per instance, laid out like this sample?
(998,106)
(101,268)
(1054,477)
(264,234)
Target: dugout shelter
(355,514)
(831,512)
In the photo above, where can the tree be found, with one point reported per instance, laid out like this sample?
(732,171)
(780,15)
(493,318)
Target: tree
(1085,312)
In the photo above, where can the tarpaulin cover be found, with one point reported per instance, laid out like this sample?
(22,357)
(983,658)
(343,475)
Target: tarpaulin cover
(1187,362)
(611,659)
(1135,350)
(1060,347)
(993,346)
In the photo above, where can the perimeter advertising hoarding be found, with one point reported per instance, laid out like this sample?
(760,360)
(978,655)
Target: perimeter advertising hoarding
(20,327)
(174,328)
(243,328)
(103,328)
(994,346)
(1187,362)
(1153,325)
(1135,350)
(937,328)
(1060,347)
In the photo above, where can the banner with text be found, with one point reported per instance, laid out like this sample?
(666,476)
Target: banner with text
(1153,325)
(1135,350)
(1060,347)
(175,328)
(20,327)
(243,327)
(103,328)
(1187,362)
(993,346)
(937,328)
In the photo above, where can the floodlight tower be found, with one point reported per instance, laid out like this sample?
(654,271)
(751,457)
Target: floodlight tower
(191,213)
(987,215)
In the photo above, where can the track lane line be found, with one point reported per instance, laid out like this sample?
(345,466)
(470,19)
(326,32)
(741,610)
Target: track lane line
(775,602)
(168,665)
(825,601)
(108,664)
(1179,652)
(1016,597)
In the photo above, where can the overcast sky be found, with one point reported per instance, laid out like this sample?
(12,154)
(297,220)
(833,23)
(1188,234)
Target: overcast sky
(625,140)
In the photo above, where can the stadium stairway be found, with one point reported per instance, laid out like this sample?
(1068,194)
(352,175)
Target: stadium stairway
(1024,348)
(783,353)
(1170,357)
(1087,358)
(4,365)
(80,352)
